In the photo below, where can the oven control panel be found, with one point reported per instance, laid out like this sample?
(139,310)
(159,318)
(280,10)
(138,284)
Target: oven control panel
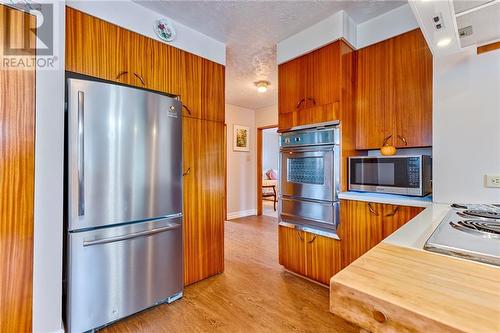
(311,137)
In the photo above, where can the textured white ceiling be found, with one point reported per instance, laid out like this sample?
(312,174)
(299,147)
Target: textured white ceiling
(251,29)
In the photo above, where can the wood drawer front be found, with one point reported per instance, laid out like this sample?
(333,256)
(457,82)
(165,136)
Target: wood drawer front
(375,315)
(313,256)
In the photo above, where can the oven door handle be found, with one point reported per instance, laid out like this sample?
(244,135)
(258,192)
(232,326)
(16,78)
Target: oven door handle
(309,149)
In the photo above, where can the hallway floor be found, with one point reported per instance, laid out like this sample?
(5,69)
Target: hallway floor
(254,294)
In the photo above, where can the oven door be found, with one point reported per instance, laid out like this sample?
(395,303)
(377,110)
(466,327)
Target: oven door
(310,172)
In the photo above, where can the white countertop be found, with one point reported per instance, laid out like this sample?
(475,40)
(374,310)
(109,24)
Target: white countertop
(384,198)
(415,233)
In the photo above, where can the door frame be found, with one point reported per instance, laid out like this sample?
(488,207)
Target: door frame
(259,166)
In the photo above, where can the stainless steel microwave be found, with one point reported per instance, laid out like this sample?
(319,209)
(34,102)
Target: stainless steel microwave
(407,175)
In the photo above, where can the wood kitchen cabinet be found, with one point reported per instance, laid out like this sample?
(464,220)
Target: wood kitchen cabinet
(313,256)
(203,202)
(394,93)
(365,224)
(311,87)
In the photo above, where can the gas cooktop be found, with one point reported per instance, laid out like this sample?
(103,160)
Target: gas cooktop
(470,232)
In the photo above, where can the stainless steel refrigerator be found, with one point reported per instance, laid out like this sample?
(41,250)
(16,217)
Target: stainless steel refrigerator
(124,209)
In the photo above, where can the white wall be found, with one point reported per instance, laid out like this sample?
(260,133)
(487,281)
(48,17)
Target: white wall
(48,228)
(270,149)
(139,19)
(241,166)
(267,116)
(466,126)
(385,26)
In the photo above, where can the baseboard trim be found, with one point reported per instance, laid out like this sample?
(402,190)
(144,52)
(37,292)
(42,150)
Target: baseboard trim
(241,213)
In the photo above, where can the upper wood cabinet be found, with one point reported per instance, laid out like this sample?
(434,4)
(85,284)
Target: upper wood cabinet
(365,224)
(394,93)
(203,205)
(310,87)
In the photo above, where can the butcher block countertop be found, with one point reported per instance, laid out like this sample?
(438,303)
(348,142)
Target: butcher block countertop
(400,289)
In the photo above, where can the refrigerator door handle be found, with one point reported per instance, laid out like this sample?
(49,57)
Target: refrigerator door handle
(130,236)
(81,154)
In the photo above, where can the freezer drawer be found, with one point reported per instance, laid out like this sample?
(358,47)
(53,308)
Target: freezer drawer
(115,272)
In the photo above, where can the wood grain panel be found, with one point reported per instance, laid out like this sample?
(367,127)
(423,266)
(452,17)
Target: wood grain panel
(417,291)
(292,249)
(191,78)
(323,258)
(213,91)
(17,170)
(412,75)
(95,47)
(360,229)
(323,76)
(374,95)
(203,160)
(396,216)
(291,85)
(488,47)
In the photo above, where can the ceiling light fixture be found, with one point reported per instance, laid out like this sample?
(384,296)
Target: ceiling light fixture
(443,42)
(262,86)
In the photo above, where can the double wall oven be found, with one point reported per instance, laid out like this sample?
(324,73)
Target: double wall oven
(309,176)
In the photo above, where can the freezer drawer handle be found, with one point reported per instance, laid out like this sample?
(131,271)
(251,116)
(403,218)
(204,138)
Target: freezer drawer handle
(130,236)
(81,154)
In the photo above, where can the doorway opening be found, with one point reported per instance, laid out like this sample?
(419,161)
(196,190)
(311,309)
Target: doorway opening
(267,170)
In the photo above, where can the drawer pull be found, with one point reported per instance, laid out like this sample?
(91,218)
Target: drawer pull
(299,236)
(393,212)
(121,74)
(300,103)
(373,211)
(379,316)
(312,240)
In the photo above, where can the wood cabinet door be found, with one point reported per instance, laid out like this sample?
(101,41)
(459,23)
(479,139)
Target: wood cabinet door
(204,170)
(96,48)
(212,92)
(291,85)
(191,73)
(323,76)
(396,216)
(412,109)
(17,173)
(360,228)
(323,258)
(292,249)
(374,94)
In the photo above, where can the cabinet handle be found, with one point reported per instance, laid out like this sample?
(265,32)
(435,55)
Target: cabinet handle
(300,103)
(402,138)
(312,240)
(312,100)
(379,316)
(393,212)
(187,109)
(121,74)
(386,139)
(373,211)
(299,236)
(140,78)
(187,172)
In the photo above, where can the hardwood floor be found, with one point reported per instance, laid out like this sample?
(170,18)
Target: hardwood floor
(254,294)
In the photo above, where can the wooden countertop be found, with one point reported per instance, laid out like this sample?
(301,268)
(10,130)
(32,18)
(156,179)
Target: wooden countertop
(397,289)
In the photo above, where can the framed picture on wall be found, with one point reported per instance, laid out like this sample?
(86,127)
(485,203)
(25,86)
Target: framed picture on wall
(241,138)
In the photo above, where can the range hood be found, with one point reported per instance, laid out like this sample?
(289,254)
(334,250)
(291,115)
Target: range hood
(477,21)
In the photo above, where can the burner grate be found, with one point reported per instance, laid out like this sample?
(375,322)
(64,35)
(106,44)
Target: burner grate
(484,228)
(487,214)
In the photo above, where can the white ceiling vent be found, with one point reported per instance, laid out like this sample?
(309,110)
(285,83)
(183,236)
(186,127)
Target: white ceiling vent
(478,22)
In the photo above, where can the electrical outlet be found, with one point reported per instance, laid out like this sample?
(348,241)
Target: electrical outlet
(492,180)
